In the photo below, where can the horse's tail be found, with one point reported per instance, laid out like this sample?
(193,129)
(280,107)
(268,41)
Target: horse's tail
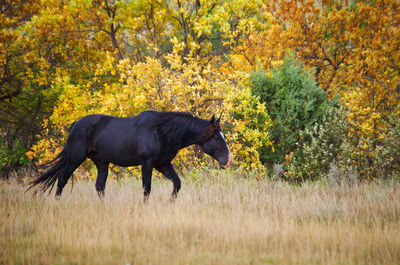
(48,179)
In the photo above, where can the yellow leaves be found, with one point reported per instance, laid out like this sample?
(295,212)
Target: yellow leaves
(352,50)
(45,150)
(250,126)
(276,63)
(196,58)
(184,86)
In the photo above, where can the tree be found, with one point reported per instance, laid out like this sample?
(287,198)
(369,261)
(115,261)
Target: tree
(20,106)
(294,103)
(353,49)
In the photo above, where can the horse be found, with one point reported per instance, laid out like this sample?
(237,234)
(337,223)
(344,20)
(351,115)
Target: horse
(151,139)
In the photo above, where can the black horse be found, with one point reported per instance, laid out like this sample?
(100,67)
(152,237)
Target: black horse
(151,139)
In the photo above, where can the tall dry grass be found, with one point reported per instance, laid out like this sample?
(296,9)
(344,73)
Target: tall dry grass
(224,219)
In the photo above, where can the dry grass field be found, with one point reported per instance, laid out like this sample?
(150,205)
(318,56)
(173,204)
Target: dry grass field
(223,219)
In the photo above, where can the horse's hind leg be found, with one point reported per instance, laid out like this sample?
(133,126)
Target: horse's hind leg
(63,179)
(74,158)
(102,173)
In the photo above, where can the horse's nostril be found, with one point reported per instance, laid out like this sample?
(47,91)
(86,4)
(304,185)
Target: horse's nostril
(228,162)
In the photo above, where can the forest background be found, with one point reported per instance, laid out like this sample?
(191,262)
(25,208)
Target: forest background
(305,88)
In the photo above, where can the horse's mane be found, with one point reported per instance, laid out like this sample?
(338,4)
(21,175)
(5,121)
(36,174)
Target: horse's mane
(174,126)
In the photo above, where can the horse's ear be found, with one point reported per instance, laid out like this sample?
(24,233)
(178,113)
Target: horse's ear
(219,119)
(212,119)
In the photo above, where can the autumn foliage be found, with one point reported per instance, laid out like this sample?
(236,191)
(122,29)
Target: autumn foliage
(62,60)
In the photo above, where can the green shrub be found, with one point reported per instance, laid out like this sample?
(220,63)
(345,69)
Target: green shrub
(386,159)
(330,144)
(327,143)
(12,157)
(294,103)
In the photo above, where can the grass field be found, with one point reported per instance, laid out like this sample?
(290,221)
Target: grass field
(223,219)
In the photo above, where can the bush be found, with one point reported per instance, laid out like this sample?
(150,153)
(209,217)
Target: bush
(331,146)
(294,103)
(384,156)
(327,143)
(11,157)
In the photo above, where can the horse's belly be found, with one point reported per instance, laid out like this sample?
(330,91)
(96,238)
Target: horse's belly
(121,158)
(126,163)
(120,155)
(125,146)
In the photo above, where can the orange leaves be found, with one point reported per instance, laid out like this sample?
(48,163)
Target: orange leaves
(123,57)
(352,48)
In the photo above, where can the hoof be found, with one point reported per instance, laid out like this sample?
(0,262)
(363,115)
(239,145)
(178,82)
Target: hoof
(101,194)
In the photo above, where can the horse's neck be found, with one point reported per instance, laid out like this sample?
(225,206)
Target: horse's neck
(191,136)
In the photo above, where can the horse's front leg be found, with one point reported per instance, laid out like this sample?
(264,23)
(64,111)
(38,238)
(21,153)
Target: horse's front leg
(169,172)
(147,170)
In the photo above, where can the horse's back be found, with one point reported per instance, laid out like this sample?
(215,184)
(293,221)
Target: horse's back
(122,141)
(147,118)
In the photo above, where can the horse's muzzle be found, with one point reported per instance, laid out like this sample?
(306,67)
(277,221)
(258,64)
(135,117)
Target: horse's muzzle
(228,162)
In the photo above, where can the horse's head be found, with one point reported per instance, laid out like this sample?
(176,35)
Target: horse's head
(214,143)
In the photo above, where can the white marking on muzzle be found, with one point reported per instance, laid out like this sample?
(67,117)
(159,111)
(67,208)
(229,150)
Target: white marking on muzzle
(229,161)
